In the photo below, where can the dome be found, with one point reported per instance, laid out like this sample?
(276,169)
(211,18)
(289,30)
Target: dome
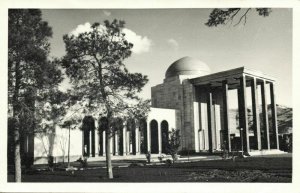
(187,66)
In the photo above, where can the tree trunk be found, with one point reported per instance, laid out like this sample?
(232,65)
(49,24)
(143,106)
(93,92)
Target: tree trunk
(17,155)
(51,140)
(15,104)
(69,146)
(108,155)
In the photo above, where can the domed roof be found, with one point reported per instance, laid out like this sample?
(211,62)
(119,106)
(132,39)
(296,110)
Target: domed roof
(187,66)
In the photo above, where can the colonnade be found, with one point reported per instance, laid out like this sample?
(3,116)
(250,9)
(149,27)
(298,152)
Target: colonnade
(126,141)
(122,142)
(262,134)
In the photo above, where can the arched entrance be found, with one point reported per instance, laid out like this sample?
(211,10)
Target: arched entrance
(102,126)
(131,131)
(88,128)
(118,136)
(143,137)
(154,136)
(165,136)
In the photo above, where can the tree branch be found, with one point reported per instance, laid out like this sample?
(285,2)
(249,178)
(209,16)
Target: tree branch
(243,16)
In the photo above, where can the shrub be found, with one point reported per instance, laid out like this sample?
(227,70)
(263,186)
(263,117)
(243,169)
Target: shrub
(174,143)
(225,153)
(169,162)
(148,156)
(160,158)
(83,162)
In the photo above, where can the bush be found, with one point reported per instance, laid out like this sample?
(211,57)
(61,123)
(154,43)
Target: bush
(225,153)
(160,158)
(148,156)
(169,162)
(83,162)
(286,142)
(174,143)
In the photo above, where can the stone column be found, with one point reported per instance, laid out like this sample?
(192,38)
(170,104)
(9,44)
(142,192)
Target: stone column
(265,116)
(218,126)
(140,140)
(209,120)
(97,149)
(274,115)
(148,137)
(137,141)
(128,149)
(226,116)
(196,125)
(201,139)
(116,143)
(244,114)
(255,110)
(124,139)
(90,143)
(111,140)
(104,140)
(159,139)
(204,126)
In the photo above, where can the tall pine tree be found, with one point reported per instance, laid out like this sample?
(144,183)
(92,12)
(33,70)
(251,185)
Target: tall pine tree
(29,71)
(94,64)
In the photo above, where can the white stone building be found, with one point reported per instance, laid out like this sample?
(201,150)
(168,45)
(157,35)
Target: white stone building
(193,100)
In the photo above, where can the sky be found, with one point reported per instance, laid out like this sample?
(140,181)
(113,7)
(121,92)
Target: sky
(162,36)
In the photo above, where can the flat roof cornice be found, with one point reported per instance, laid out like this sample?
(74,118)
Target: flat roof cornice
(233,73)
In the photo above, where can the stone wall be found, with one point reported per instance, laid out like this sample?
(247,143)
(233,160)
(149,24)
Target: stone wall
(178,93)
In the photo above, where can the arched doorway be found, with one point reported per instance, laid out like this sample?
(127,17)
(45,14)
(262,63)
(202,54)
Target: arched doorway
(154,136)
(116,124)
(88,128)
(143,137)
(131,133)
(102,126)
(165,136)
(118,136)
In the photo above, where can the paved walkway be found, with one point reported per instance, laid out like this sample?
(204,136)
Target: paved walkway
(126,161)
(154,158)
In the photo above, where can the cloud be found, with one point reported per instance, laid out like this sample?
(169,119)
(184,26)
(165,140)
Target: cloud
(140,44)
(172,42)
(81,29)
(85,28)
(107,13)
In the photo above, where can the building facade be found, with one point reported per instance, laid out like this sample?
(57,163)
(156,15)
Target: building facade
(193,100)
(202,98)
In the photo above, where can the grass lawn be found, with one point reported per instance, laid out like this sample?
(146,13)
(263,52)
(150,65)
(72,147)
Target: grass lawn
(252,169)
